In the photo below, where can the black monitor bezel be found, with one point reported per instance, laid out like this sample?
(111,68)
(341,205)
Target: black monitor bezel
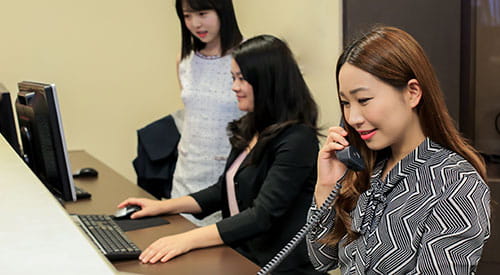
(7,123)
(31,93)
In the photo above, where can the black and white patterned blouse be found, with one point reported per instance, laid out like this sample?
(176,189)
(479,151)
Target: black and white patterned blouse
(430,216)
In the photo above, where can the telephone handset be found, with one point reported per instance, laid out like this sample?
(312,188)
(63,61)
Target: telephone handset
(351,158)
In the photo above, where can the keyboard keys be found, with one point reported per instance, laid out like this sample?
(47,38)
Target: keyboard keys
(108,237)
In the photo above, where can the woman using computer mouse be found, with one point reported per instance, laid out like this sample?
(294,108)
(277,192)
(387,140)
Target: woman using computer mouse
(422,204)
(269,178)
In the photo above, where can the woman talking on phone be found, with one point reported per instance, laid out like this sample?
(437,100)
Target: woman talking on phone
(422,204)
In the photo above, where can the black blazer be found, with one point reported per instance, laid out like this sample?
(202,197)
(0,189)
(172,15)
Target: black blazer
(273,197)
(157,156)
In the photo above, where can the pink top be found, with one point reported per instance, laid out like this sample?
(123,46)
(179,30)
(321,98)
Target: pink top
(231,195)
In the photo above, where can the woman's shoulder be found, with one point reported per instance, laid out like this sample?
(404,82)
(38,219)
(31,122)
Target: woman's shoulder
(297,143)
(454,171)
(297,134)
(184,61)
(453,161)
(298,129)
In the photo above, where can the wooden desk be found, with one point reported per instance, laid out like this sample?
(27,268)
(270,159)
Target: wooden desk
(111,188)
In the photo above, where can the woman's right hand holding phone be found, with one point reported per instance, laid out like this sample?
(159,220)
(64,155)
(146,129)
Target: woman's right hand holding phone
(330,169)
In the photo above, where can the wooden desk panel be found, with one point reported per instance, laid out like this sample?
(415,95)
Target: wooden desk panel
(110,188)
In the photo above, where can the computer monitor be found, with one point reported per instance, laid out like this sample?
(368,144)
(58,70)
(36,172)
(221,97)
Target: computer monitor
(42,137)
(7,124)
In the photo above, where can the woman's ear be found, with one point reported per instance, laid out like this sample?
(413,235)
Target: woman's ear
(414,92)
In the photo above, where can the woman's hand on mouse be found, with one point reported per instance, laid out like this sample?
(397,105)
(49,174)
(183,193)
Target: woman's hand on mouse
(184,204)
(148,207)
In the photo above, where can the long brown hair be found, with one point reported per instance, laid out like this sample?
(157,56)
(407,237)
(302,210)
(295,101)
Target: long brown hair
(395,57)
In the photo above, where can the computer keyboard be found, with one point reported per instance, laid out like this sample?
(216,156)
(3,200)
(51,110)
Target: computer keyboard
(108,237)
(81,194)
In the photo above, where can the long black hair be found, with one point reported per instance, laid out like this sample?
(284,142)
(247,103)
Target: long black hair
(230,34)
(281,96)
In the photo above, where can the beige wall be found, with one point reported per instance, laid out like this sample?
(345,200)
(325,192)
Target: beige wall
(113,61)
(313,30)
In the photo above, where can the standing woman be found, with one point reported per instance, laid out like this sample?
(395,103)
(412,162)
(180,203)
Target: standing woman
(268,183)
(209,33)
(422,204)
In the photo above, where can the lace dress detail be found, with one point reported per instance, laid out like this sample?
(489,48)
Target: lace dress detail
(209,105)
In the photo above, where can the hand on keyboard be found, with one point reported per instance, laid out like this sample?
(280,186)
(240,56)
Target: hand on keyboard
(169,247)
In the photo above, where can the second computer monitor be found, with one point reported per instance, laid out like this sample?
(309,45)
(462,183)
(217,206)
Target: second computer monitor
(42,137)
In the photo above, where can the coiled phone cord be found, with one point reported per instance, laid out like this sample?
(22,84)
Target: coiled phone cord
(281,255)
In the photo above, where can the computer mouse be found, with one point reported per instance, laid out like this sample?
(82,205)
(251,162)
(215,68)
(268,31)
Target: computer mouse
(125,212)
(86,173)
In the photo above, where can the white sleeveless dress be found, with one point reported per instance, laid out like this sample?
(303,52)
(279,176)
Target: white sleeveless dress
(209,105)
